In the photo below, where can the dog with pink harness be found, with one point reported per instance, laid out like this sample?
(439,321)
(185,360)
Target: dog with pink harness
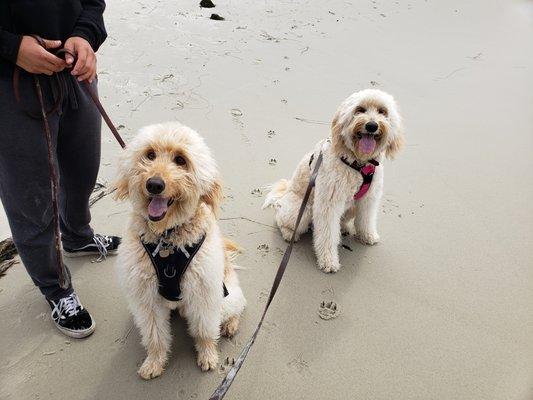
(366,129)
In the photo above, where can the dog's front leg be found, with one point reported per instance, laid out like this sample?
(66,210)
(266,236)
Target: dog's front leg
(327,213)
(153,323)
(366,214)
(204,317)
(347,221)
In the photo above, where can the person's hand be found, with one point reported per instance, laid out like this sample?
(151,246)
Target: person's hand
(35,59)
(85,68)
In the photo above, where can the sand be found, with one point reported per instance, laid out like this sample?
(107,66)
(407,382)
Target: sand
(440,309)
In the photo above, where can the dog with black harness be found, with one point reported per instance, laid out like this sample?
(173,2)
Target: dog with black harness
(173,254)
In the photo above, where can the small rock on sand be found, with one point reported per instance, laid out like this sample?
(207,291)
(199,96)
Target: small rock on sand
(207,4)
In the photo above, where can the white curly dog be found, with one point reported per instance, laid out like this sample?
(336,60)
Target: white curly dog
(172,182)
(366,128)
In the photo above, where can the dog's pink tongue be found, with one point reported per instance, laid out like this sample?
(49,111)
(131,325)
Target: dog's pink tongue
(157,207)
(367,144)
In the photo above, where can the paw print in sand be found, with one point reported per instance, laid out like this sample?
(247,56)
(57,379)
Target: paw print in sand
(328,310)
(226,365)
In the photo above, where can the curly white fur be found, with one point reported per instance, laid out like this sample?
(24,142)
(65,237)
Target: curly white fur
(196,192)
(331,203)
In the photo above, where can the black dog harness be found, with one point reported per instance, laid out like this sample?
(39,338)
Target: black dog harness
(170,263)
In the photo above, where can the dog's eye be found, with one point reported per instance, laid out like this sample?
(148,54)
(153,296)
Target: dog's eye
(382,111)
(360,110)
(150,155)
(179,160)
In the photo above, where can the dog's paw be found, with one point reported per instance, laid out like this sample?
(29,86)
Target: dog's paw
(348,229)
(286,233)
(207,360)
(368,238)
(230,327)
(150,369)
(329,267)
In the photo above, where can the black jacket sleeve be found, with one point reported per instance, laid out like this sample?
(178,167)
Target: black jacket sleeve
(9,45)
(90,24)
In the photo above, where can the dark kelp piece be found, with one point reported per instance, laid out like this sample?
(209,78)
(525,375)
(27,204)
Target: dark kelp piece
(207,4)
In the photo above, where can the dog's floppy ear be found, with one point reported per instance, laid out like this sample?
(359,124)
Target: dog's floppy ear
(121,188)
(337,126)
(396,143)
(214,196)
(121,184)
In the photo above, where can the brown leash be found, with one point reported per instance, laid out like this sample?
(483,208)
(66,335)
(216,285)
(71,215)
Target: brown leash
(54,180)
(54,183)
(222,389)
(103,113)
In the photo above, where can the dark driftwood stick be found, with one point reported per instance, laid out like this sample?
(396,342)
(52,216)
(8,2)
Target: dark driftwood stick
(7,252)
(7,249)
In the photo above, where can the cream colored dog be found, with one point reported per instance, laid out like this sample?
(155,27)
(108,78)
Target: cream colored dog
(172,181)
(366,127)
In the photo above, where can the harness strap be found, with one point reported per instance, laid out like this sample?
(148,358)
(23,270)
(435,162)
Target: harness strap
(367,172)
(171,266)
(356,165)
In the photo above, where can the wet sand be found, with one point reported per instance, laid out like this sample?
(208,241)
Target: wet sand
(440,309)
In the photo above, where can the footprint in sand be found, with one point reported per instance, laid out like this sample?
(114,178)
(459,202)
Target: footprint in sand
(299,365)
(328,310)
(226,365)
(263,247)
(236,112)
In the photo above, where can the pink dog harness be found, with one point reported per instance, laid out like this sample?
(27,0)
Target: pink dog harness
(367,171)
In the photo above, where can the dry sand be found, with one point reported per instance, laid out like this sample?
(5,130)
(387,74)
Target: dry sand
(440,309)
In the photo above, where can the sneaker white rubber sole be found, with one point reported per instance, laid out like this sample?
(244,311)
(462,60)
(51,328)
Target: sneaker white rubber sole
(77,254)
(77,334)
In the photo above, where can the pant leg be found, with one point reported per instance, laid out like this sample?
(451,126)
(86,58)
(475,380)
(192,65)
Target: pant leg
(25,188)
(78,153)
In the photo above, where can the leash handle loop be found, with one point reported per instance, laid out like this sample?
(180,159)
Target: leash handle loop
(224,386)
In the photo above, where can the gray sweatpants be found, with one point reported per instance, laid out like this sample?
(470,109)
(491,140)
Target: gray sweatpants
(24,173)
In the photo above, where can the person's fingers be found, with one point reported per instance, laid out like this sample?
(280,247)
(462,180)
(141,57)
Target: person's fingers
(70,47)
(46,70)
(90,69)
(69,59)
(84,76)
(52,44)
(52,59)
(79,68)
(54,67)
(93,74)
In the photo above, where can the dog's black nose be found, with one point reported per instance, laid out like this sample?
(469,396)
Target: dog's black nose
(155,185)
(371,126)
